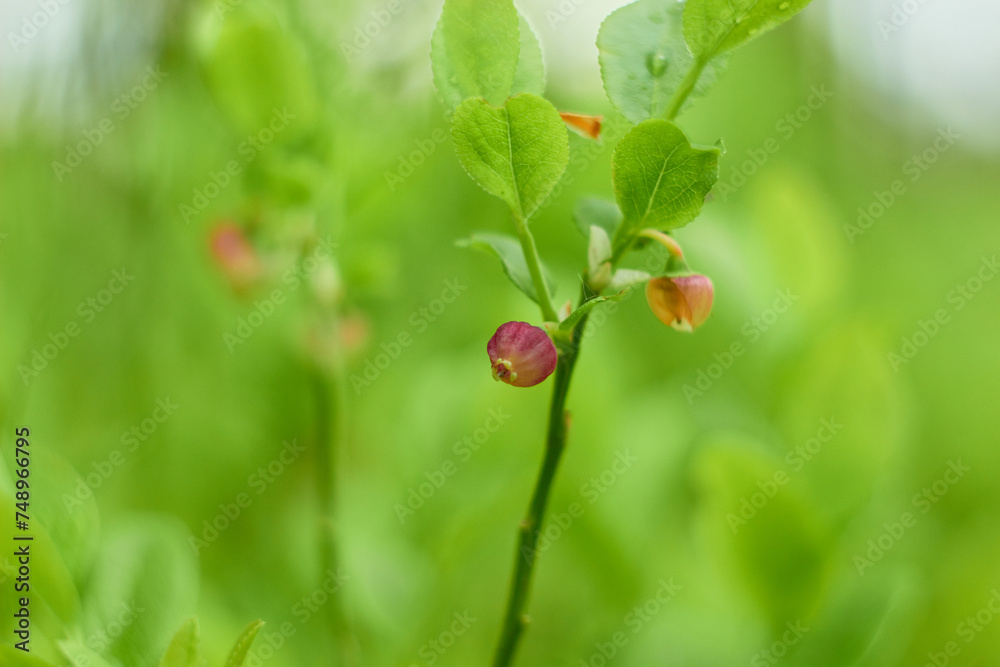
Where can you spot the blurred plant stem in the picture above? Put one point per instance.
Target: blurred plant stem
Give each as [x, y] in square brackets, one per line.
[524, 559]
[331, 408]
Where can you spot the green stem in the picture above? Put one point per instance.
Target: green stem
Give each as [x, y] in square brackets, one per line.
[535, 268]
[620, 247]
[530, 529]
[329, 436]
[686, 88]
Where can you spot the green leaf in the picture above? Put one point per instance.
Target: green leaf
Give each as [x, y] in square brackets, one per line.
[185, 648]
[239, 653]
[51, 581]
[781, 551]
[474, 50]
[907, 608]
[853, 619]
[844, 392]
[600, 212]
[802, 244]
[713, 27]
[287, 177]
[66, 507]
[81, 656]
[256, 71]
[511, 256]
[12, 657]
[660, 180]
[530, 74]
[517, 152]
[644, 58]
[146, 581]
[574, 317]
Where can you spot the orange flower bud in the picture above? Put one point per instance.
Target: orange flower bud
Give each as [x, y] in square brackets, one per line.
[683, 303]
[589, 126]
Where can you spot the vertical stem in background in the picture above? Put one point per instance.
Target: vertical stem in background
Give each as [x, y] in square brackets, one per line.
[524, 559]
[329, 440]
[329, 379]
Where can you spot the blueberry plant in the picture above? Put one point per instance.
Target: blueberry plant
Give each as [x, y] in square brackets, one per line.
[656, 56]
[99, 596]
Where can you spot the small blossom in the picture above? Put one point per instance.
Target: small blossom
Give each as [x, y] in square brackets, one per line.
[522, 355]
[589, 126]
[683, 303]
[235, 255]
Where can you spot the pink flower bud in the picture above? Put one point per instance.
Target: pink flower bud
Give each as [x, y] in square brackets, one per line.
[235, 255]
[683, 303]
[522, 355]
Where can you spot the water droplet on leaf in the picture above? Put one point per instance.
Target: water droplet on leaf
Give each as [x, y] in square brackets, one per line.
[783, 6]
[656, 63]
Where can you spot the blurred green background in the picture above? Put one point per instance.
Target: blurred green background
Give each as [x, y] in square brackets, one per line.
[808, 482]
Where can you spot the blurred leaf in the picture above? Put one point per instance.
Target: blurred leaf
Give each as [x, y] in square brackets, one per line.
[849, 624]
[772, 541]
[12, 657]
[712, 27]
[842, 420]
[146, 582]
[185, 648]
[530, 74]
[803, 247]
[592, 211]
[660, 180]
[517, 152]
[287, 177]
[474, 51]
[255, 70]
[644, 58]
[81, 656]
[239, 653]
[65, 505]
[898, 626]
[45, 624]
[511, 255]
[51, 581]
